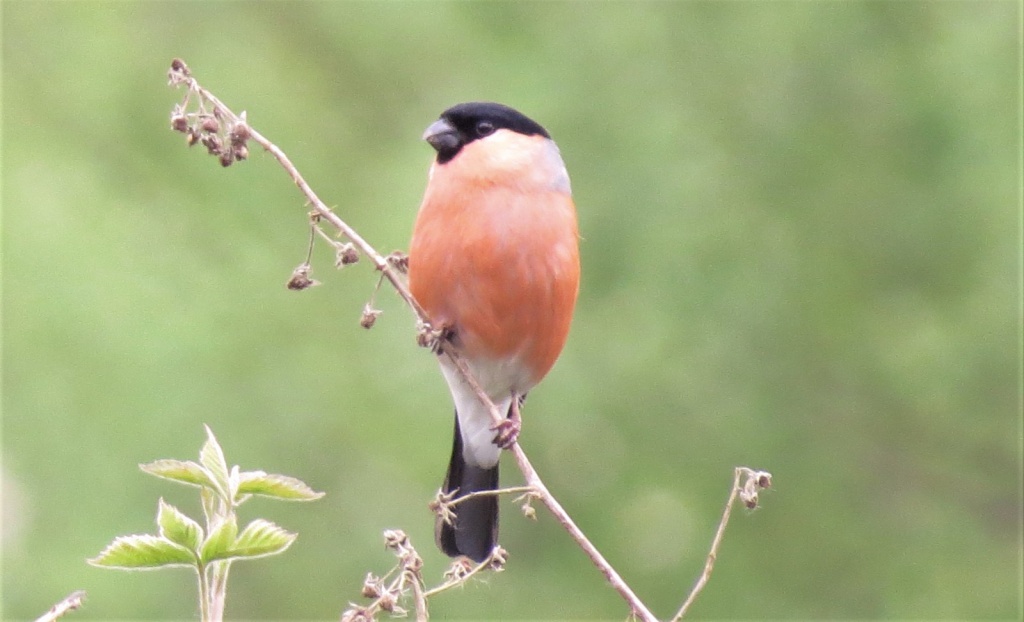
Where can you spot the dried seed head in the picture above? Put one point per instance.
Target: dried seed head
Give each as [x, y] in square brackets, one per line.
[211, 125]
[355, 613]
[412, 562]
[179, 123]
[441, 507]
[764, 479]
[192, 137]
[300, 276]
[429, 337]
[241, 152]
[345, 255]
[399, 260]
[369, 316]
[212, 143]
[387, 602]
[178, 72]
[227, 158]
[179, 66]
[372, 586]
[239, 134]
[749, 498]
[395, 539]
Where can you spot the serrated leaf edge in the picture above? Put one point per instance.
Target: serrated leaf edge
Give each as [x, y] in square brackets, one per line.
[149, 540]
[186, 524]
[266, 529]
[298, 489]
[151, 469]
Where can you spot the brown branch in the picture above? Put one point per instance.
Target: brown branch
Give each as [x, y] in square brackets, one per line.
[420, 601]
[70, 603]
[239, 127]
[638, 608]
[239, 132]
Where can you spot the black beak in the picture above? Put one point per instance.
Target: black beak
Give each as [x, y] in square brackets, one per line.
[442, 136]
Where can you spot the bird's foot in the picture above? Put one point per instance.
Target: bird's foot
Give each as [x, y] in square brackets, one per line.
[508, 430]
[507, 433]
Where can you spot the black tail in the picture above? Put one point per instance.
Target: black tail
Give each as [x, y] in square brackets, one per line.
[474, 531]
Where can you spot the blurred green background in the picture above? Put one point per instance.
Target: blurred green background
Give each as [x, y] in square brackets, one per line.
[801, 253]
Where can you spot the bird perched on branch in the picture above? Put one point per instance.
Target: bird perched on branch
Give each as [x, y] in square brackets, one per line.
[494, 261]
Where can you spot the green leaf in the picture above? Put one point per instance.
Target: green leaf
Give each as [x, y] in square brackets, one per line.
[143, 552]
[219, 543]
[261, 538]
[179, 528]
[277, 486]
[211, 456]
[184, 471]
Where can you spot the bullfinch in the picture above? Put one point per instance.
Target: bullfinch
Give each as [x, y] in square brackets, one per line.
[494, 262]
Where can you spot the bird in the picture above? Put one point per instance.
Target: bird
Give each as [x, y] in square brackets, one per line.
[494, 263]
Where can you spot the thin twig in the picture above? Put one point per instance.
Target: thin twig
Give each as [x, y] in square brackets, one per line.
[317, 230]
[512, 490]
[533, 480]
[637, 606]
[379, 261]
[461, 578]
[755, 480]
[71, 602]
[420, 601]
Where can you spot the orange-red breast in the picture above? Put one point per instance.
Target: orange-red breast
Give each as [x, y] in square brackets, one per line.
[494, 261]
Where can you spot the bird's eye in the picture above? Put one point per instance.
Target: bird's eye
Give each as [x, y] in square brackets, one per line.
[484, 128]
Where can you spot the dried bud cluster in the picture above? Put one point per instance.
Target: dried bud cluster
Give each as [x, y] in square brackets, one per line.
[429, 337]
[756, 481]
[355, 613]
[373, 586]
[387, 593]
[178, 72]
[399, 261]
[211, 125]
[226, 141]
[300, 279]
[229, 148]
[395, 539]
[527, 504]
[441, 506]
[345, 254]
[410, 560]
[369, 316]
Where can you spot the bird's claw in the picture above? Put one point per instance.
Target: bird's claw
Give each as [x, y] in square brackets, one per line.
[507, 433]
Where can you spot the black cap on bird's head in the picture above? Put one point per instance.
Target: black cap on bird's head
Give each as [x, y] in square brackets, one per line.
[464, 123]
